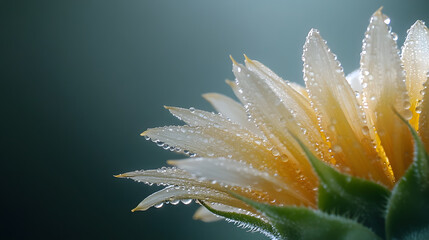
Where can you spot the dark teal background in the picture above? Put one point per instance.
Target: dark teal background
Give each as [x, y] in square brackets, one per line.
[81, 79]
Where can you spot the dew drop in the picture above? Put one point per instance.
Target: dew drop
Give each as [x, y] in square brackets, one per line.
[387, 21]
[418, 109]
[407, 105]
[407, 114]
[159, 143]
[275, 152]
[159, 205]
[186, 201]
[337, 148]
[365, 130]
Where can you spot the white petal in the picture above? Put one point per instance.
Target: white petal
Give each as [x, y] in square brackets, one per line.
[340, 114]
[299, 88]
[213, 142]
[354, 80]
[163, 176]
[232, 110]
[241, 174]
[415, 57]
[205, 215]
[383, 89]
[424, 117]
[199, 118]
[174, 193]
[276, 108]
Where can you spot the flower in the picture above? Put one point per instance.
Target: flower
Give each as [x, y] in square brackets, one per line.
[251, 149]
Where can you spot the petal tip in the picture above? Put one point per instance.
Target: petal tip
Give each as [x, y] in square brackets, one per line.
[247, 59]
[233, 60]
[145, 133]
[379, 11]
[172, 162]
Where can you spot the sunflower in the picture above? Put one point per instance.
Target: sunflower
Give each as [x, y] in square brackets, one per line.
[285, 149]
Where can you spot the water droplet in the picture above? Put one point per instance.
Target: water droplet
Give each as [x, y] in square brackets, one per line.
[407, 104]
[407, 114]
[275, 152]
[186, 201]
[337, 148]
[387, 21]
[365, 130]
[418, 109]
[159, 205]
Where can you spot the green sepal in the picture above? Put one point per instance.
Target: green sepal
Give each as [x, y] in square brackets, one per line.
[407, 215]
[300, 223]
[249, 221]
[349, 196]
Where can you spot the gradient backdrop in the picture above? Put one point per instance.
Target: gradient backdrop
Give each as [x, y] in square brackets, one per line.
[81, 79]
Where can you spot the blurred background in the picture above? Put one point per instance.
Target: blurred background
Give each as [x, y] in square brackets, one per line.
[80, 80]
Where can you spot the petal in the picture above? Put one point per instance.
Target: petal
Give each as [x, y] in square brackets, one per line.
[199, 118]
[354, 80]
[298, 107]
[213, 142]
[162, 177]
[415, 57]
[299, 89]
[277, 109]
[424, 117]
[174, 193]
[383, 89]
[205, 215]
[340, 114]
[181, 185]
[236, 173]
[232, 110]
[274, 110]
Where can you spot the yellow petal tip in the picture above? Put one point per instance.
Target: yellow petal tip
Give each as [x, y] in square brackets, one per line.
[233, 60]
[172, 162]
[247, 59]
[145, 133]
[378, 12]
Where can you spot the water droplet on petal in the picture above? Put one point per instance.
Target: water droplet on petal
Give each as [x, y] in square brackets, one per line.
[186, 201]
[159, 205]
[387, 21]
